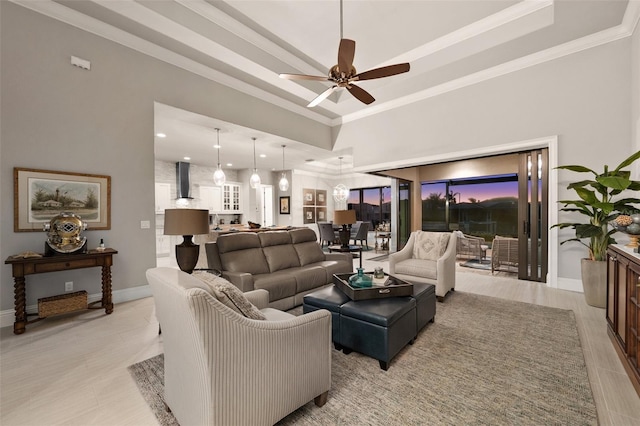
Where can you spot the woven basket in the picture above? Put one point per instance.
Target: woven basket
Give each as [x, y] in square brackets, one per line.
[62, 304]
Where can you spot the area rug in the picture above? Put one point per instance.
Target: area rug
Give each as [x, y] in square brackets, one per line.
[484, 264]
[483, 361]
[382, 258]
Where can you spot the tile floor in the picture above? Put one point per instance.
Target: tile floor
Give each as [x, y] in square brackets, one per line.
[71, 369]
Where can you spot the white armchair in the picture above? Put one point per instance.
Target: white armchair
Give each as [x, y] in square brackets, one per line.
[222, 368]
[437, 267]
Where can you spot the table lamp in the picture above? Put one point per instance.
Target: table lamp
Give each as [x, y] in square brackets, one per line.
[344, 218]
[186, 222]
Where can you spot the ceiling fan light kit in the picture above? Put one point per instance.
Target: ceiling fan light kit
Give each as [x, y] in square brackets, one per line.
[344, 74]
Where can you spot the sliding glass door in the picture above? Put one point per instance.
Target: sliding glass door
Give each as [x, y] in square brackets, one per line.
[533, 204]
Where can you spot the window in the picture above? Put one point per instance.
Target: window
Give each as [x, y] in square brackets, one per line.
[371, 204]
[484, 206]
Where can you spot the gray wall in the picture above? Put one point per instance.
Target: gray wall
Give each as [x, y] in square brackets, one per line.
[583, 98]
[635, 94]
[58, 117]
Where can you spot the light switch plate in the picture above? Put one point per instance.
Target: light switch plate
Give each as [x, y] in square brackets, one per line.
[145, 224]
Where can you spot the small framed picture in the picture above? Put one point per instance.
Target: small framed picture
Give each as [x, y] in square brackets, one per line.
[308, 197]
[321, 214]
[309, 214]
[321, 197]
[285, 203]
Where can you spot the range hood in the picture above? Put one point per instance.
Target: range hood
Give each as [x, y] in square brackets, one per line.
[183, 181]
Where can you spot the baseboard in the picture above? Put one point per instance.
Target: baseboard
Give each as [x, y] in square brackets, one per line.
[569, 284]
[8, 316]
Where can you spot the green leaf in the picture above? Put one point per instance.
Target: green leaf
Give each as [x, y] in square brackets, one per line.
[615, 182]
[628, 161]
[580, 184]
[579, 169]
[588, 196]
[587, 230]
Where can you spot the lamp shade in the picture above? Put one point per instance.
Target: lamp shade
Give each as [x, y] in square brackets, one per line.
[344, 217]
[186, 222]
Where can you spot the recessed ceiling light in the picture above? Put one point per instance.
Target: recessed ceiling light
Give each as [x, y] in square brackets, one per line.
[229, 164]
[216, 146]
[263, 155]
[187, 158]
[161, 135]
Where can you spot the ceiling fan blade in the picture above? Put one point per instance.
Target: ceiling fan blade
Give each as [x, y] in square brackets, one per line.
[360, 94]
[303, 77]
[322, 96]
[346, 52]
[387, 71]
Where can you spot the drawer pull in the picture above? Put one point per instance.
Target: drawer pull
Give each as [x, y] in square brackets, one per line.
[384, 291]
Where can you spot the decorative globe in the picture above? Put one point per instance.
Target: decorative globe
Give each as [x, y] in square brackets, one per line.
[633, 229]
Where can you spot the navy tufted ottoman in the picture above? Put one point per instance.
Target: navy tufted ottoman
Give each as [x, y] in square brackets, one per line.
[378, 328]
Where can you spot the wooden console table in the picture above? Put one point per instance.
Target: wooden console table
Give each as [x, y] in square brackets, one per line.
[623, 308]
[37, 265]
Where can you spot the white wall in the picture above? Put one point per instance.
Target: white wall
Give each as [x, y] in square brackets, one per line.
[583, 98]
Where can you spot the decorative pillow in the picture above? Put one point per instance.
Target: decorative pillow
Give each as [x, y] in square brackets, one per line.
[230, 295]
[430, 245]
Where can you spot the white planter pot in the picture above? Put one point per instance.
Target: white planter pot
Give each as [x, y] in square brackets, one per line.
[594, 282]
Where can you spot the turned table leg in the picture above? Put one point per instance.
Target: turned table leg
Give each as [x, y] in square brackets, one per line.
[106, 289]
[19, 326]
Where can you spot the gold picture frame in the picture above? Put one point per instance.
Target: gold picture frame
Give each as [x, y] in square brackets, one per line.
[40, 195]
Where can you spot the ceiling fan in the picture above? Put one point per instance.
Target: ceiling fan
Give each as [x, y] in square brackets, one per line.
[344, 74]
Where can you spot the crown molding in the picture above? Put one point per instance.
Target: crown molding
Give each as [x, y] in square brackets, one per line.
[575, 46]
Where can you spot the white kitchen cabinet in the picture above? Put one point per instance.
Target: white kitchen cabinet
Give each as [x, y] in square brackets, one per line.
[163, 197]
[211, 198]
[231, 198]
[163, 243]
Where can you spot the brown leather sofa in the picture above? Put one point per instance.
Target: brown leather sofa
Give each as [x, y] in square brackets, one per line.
[288, 264]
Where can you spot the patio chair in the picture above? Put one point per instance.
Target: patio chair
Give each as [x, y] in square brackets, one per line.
[471, 247]
[504, 254]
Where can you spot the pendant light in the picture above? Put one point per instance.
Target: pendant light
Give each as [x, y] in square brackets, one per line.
[284, 183]
[340, 191]
[254, 180]
[218, 176]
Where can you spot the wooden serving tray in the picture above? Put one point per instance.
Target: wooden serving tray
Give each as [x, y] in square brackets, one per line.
[396, 288]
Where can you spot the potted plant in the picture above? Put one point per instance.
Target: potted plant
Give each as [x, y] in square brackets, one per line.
[597, 201]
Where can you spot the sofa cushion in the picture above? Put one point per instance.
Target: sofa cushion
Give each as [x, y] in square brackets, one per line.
[242, 253]
[309, 252]
[274, 238]
[279, 284]
[418, 268]
[335, 267]
[430, 245]
[302, 235]
[308, 277]
[229, 295]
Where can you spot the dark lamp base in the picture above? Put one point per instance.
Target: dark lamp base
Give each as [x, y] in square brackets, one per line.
[345, 236]
[187, 254]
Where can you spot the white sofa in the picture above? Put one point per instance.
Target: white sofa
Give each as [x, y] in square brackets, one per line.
[439, 269]
[222, 368]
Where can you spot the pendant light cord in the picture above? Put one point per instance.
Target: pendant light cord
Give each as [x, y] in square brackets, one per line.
[254, 153]
[218, 132]
[341, 35]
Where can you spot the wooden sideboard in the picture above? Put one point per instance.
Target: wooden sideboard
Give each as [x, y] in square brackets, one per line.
[22, 267]
[623, 308]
